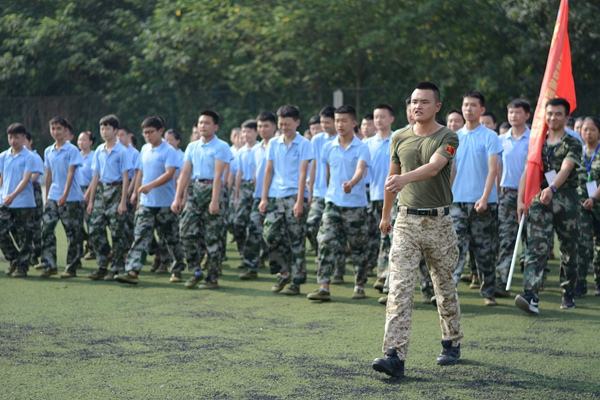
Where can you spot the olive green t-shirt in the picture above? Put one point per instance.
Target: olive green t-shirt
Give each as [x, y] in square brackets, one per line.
[410, 152]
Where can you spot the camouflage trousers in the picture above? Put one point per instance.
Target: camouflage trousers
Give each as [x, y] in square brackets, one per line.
[201, 232]
[165, 222]
[477, 232]
[285, 236]
[340, 227]
[225, 207]
[105, 216]
[508, 226]
[255, 247]
[71, 216]
[37, 221]
[417, 237]
[562, 214]
[19, 222]
[373, 240]
[241, 214]
[85, 229]
[589, 244]
[313, 221]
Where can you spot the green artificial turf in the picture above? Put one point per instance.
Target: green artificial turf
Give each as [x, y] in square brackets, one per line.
[78, 339]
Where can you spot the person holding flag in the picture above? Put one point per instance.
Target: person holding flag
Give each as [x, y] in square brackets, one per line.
[551, 161]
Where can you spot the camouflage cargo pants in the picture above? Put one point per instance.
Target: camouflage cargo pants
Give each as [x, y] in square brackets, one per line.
[105, 216]
[37, 221]
[477, 232]
[165, 222]
[21, 223]
[202, 232]
[508, 226]
[373, 240]
[255, 245]
[71, 216]
[340, 227]
[313, 221]
[589, 244]
[241, 214]
[285, 235]
[562, 214]
[417, 237]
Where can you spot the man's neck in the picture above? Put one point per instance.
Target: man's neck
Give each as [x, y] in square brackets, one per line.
[155, 145]
[14, 150]
[555, 135]
[517, 131]
[472, 125]
[426, 128]
[330, 134]
[207, 139]
[250, 144]
[59, 144]
[345, 140]
[384, 133]
[289, 138]
[109, 144]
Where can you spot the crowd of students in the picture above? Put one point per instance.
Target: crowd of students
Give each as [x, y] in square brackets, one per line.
[273, 195]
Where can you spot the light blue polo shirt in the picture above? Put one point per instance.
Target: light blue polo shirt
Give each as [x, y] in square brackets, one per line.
[286, 164]
[379, 150]
[319, 141]
[58, 162]
[342, 166]
[84, 172]
[38, 162]
[246, 162]
[260, 161]
[13, 167]
[154, 162]
[514, 158]
[474, 148]
[202, 156]
[109, 166]
[576, 135]
[134, 161]
[179, 153]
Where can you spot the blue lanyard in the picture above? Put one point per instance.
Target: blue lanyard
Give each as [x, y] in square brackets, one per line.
[588, 164]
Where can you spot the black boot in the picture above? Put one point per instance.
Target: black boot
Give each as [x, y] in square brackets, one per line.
[389, 364]
[450, 354]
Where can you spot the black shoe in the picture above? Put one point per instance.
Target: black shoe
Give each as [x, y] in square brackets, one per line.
[528, 302]
[567, 302]
[450, 354]
[389, 364]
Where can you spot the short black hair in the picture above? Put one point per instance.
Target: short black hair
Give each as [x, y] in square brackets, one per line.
[407, 101]
[289, 111]
[504, 125]
[133, 139]
[315, 119]
[520, 103]
[595, 121]
[475, 95]
[58, 120]
[559, 101]
[455, 111]
[385, 106]
[249, 124]
[90, 136]
[426, 85]
[110, 120]
[491, 115]
[346, 109]
[16, 128]
[153, 121]
[213, 114]
[327, 112]
[28, 136]
[173, 132]
[368, 116]
[267, 116]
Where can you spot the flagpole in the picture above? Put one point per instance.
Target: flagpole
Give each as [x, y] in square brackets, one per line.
[515, 252]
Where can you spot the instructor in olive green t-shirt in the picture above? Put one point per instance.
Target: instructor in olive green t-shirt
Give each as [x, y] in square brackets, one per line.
[419, 176]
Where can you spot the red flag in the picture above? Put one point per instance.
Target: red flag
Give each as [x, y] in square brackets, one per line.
[558, 82]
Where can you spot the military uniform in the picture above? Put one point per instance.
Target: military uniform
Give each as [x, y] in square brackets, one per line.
[423, 229]
[202, 232]
[109, 166]
[241, 213]
[476, 231]
[17, 219]
[57, 163]
[562, 215]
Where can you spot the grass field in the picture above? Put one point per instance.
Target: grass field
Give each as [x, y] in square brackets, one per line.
[78, 339]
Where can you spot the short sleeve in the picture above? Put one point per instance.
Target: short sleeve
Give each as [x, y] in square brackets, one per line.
[187, 154]
[395, 159]
[75, 157]
[574, 152]
[171, 159]
[448, 146]
[365, 154]
[46, 159]
[38, 163]
[125, 162]
[271, 150]
[224, 154]
[95, 161]
[493, 145]
[307, 151]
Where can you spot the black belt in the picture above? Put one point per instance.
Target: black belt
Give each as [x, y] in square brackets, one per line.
[116, 183]
[428, 212]
[203, 180]
[506, 190]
